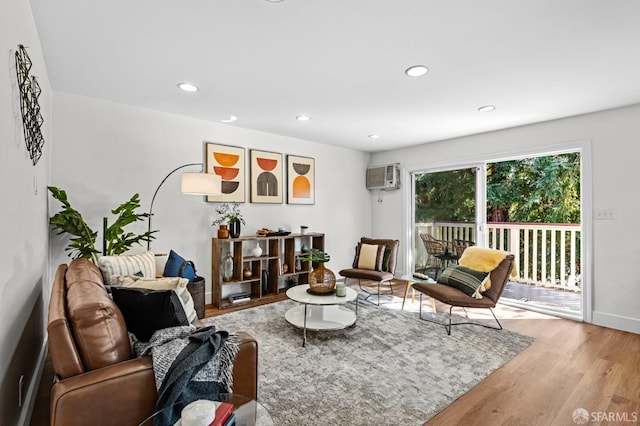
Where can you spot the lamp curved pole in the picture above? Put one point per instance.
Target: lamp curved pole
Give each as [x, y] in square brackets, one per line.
[158, 188]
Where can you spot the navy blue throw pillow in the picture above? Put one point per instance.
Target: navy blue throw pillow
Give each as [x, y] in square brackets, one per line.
[173, 265]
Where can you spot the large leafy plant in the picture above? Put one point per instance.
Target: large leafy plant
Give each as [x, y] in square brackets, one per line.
[115, 239]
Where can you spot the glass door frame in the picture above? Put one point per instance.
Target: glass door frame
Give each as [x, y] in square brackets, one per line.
[409, 196]
[586, 206]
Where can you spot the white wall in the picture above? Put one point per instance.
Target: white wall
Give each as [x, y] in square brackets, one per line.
[613, 137]
[106, 152]
[23, 224]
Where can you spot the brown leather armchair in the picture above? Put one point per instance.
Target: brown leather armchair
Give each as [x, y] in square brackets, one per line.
[454, 297]
[97, 379]
[382, 276]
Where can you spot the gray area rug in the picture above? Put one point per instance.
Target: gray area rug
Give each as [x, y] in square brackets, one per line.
[391, 368]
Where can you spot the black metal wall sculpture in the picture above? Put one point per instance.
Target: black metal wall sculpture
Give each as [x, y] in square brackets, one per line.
[31, 117]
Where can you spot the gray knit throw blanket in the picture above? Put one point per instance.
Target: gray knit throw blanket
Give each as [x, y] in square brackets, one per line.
[189, 364]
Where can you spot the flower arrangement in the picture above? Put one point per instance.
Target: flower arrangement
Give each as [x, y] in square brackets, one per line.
[228, 214]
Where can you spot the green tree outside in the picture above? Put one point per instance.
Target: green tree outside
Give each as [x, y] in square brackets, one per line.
[534, 190]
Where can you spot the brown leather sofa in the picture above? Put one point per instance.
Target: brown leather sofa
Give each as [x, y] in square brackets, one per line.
[97, 379]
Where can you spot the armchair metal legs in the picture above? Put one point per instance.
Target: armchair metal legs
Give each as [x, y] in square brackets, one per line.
[450, 324]
[369, 293]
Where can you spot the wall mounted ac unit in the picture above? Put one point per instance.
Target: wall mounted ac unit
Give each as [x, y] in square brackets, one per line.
[386, 177]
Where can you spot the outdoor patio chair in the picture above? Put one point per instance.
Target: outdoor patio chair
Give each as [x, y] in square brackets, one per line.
[459, 246]
[379, 270]
[437, 253]
[457, 298]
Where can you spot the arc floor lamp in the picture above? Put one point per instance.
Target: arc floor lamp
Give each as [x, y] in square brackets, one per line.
[190, 183]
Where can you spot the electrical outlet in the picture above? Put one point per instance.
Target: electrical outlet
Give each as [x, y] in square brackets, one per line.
[605, 214]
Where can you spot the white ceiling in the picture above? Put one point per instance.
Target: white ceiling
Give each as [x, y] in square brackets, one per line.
[342, 62]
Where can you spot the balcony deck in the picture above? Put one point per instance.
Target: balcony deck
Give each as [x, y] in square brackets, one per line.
[543, 296]
[547, 259]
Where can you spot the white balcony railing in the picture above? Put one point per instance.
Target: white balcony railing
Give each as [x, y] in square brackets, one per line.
[545, 254]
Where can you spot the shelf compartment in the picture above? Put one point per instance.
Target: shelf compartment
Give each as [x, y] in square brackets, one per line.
[277, 251]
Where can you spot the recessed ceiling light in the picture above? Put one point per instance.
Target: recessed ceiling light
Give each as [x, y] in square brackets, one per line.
[229, 119]
[275, 1]
[188, 87]
[374, 136]
[303, 118]
[416, 71]
[487, 108]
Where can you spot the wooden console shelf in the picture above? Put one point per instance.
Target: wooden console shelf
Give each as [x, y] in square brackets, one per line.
[277, 251]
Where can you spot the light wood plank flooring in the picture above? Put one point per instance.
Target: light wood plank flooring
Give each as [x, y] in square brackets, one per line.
[570, 365]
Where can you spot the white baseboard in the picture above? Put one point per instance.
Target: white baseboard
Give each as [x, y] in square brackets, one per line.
[32, 391]
[632, 325]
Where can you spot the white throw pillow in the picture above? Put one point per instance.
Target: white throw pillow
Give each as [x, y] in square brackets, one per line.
[112, 266]
[368, 258]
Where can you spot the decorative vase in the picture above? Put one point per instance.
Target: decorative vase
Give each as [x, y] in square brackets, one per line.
[234, 228]
[257, 250]
[322, 280]
[247, 273]
[223, 232]
[227, 267]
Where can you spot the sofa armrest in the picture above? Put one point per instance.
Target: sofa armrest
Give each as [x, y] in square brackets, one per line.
[120, 394]
[245, 367]
[125, 393]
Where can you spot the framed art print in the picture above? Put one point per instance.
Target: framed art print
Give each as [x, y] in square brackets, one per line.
[301, 184]
[266, 177]
[229, 163]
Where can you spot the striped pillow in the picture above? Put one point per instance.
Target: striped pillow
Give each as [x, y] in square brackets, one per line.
[187, 304]
[113, 266]
[464, 279]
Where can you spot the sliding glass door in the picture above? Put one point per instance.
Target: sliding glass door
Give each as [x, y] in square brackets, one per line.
[446, 215]
[529, 206]
[535, 213]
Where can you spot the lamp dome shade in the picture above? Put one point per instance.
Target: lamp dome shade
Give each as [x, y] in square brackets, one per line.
[201, 184]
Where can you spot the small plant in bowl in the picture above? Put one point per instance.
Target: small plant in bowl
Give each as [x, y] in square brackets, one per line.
[321, 279]
[316, 256]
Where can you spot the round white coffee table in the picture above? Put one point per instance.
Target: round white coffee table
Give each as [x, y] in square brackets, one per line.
[320, 312]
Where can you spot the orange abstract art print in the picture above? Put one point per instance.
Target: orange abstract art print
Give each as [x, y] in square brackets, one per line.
[229, 163]
[300, 180]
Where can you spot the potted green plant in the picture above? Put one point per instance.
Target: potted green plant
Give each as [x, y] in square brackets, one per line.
[115, 239]
[321, 279]
[315, 256]
[232, 216]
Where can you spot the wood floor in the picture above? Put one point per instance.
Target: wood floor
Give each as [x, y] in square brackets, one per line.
[571, 365]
